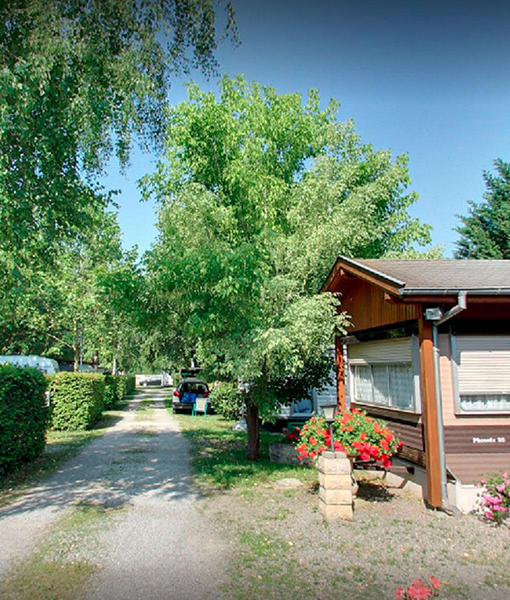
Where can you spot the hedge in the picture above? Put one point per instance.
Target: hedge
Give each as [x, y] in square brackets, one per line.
[23, 416]
[77, 400]
[117, 386]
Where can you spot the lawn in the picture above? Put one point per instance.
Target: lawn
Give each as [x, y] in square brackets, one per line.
[219, 455]
[283, 548]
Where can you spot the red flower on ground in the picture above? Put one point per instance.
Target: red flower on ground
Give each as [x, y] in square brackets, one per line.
[435, 583]
[419, 591]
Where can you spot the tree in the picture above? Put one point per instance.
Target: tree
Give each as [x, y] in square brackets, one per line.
[78, 80]
[485, 230]
[259, 193]
[80, 308]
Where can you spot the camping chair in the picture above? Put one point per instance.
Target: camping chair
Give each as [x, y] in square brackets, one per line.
[200, 406]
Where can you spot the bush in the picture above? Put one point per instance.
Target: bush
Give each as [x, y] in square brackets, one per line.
[23, 416]
[494, 502]
[116, 387]
[227, 401]
[77, 400]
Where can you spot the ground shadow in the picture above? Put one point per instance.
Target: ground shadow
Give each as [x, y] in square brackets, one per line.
[374, 491]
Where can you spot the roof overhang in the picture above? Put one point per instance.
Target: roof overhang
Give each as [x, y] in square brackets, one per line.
[398, 290]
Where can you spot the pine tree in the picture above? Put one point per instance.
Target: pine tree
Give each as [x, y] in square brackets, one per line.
[485, 230]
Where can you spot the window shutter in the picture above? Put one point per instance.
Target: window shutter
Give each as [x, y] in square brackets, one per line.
[483, 364]
[381, 351]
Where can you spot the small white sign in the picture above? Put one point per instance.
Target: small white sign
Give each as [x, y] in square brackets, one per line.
[489, 440]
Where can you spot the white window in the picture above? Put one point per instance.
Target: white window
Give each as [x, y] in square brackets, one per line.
[389, 385]
[482, 364]
[383, 373]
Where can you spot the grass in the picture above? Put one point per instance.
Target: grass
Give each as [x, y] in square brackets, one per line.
[144, 410]
[60, 447]
[219, 455]
[62, 565]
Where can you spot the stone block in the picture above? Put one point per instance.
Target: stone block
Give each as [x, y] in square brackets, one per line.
[340, 465]
[335, 482]
[335, 496]
[335, 511]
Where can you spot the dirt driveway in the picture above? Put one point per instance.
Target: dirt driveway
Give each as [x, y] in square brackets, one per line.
[160, 544]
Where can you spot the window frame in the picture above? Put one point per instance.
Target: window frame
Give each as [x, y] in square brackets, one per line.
[414, 363]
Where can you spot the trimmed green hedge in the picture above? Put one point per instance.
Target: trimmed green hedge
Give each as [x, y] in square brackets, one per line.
[23, 416]
[77, 400]
[117, 386]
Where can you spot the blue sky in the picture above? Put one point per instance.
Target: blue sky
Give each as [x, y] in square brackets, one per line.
[430, 79]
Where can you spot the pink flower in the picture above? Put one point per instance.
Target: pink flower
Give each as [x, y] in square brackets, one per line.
[399, 594]
[435, 583]
[489, 514]
[501, 488]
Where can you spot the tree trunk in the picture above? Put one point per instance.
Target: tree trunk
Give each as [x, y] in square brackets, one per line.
[252, 423]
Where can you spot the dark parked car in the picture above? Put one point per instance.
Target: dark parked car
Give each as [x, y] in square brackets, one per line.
[188, 390]
[151, 380]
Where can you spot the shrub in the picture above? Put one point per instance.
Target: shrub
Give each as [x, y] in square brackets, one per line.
[116, 387]
[354, 433]
[23, 416]
[77, 400]
[494, 502]
[110, 391]
[227, 401]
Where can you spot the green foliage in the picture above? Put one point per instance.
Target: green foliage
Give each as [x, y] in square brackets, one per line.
[259, 194]
[23, 416]
[77, 400]
[485, 230]
[117, 387]
[227, 401]
[78, 81]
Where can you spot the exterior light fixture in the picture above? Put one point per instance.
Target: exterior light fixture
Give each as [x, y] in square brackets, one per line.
[328, 410]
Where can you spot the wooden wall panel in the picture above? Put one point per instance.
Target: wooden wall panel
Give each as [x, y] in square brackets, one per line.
[368, 308]
[471, 468]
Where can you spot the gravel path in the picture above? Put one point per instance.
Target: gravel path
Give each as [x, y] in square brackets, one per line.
[164, 545]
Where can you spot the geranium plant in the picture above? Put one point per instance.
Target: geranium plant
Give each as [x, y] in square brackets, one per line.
[419, 590]
[354, 432]
[494, 503]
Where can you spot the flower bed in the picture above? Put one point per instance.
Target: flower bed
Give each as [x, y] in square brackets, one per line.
[354, 433]
[494, 501]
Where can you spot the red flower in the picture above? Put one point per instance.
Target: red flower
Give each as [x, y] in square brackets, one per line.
[385, 445]
[363, 436]
[314, 419]
[400, 594]
[419, 591]
[435, 583]
[312, 441]
[350, 428]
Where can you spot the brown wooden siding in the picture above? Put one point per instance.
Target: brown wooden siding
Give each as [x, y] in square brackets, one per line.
[368, 308]
[470, 468]
[480, 439]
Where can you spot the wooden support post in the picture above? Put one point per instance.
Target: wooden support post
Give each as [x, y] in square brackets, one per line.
[340, 373]
[430, 416]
